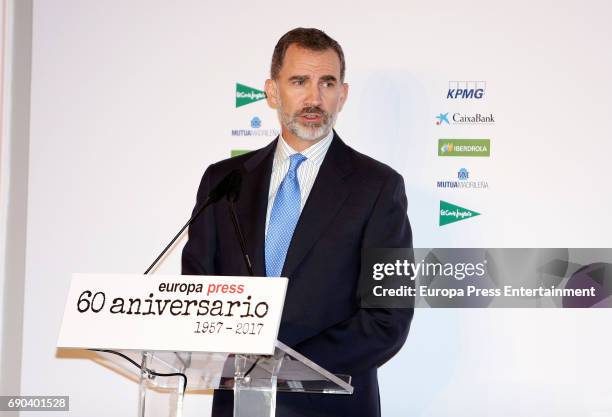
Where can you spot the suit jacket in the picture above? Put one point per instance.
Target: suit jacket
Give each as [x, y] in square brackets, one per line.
[355, 202]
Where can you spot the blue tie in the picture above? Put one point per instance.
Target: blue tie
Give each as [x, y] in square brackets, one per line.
[283, 218]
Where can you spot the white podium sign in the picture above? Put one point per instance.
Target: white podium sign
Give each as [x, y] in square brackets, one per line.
[173, 312]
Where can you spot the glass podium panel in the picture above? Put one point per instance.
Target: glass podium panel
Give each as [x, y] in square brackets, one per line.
[255, 379]
[294, 372]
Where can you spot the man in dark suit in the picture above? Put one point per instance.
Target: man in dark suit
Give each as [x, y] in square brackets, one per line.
[308, 206]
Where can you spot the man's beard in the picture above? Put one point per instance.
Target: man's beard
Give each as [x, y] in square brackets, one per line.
[309, 131]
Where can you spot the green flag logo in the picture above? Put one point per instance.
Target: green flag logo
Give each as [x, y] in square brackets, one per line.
[247, 95]
[450, 213]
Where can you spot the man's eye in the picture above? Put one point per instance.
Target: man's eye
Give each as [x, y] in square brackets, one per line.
[298, 82]
[327, 84]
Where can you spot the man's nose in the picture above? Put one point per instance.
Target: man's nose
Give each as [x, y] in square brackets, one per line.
[313, 97]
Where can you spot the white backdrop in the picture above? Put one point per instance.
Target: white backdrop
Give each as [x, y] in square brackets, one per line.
[131, 100]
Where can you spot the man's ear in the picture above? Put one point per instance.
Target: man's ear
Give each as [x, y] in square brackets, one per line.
[344, 96]
[271, 94]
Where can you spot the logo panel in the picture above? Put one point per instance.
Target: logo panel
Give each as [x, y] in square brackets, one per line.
[463, 181]
[466, 90]
[465, 119]
[451, 213]
[247, 95]
[464, 147]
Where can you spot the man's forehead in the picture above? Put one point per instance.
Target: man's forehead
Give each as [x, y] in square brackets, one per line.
[306, 62]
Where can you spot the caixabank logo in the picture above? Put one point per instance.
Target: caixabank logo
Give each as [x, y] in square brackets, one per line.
[451, 213]
[465, 119]
[466, 90]
[247, 95]
[464, 147]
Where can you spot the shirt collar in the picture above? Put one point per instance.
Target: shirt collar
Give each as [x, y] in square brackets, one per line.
[314, 154]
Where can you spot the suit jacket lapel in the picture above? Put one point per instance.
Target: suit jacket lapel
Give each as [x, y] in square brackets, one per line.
[326, 197]
[253, 204]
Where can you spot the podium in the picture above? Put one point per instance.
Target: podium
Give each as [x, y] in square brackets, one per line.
[255, 379]
[163, 332]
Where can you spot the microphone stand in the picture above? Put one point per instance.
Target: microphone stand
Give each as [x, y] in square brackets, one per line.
[229, 187]
[207, 203]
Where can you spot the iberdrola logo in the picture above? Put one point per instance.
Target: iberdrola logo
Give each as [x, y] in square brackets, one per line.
[247, 95]
[450, 213]
[447, 147]
[464, 147]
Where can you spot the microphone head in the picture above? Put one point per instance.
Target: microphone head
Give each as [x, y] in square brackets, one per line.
[234, 186]
[228, 187]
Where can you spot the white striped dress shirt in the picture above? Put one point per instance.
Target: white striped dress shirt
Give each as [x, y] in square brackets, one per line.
[307, 171]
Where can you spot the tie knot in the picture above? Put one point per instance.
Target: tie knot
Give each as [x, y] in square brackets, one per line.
[296, 159]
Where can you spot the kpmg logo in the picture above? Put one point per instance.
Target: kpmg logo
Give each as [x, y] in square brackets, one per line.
[451, 213]
[474, 90]
[247, 95]
[464, 147]
[465, 119]
[462, 182]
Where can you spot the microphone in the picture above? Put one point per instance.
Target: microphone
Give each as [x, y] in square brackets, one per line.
[235, 184]
[233, 193]
[228, 187]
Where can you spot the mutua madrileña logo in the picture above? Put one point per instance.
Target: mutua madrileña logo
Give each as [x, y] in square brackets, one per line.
[247, 95]
[465, 119]
[466, 90]
[255, 129]
[463, 181]
[451, 213]
[464, 147]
